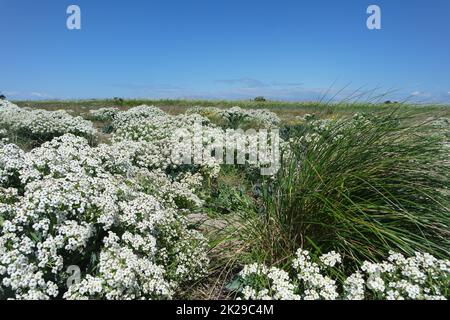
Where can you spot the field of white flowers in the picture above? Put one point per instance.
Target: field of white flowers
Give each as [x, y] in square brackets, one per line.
[103, 193]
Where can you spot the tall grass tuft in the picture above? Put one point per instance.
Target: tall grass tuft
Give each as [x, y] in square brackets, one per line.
[361, 186]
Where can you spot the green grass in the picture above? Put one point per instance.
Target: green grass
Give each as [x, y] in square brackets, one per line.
[384, 185]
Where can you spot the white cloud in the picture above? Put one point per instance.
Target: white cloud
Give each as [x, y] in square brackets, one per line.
[10, 93]
[245, 82]
[41, 95]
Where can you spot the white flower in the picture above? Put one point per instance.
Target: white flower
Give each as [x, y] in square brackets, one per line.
[331, 259]
[375, 283]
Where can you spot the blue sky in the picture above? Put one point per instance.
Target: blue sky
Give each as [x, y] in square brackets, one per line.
[288, 50]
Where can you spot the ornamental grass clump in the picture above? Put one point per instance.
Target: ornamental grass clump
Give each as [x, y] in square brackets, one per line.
[238, 118]
[361, 186]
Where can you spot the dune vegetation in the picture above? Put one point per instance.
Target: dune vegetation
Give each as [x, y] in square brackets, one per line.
[357, 208]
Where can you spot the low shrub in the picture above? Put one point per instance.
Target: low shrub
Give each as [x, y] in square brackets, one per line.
[103, 114]
[33, 127]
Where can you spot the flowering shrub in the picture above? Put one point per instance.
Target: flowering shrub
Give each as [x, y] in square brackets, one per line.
[66, 203]
[104, 114]
[42, 125]
[418, 277]
[260, 117]
[136, 115]
[3, 136]
[152, 135]
[155, 125]
[117, 211]
[237, 117]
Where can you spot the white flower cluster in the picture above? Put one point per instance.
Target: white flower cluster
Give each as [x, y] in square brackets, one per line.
[103, 209]
[3, 136]
[331, 259]
[420, 277]
[261, 117]
[236, 116]
[42, 124]
[103, 114]
[315, 285]
[267, 283]
[166, 141]
[316, 130]
[148, 123]
[320, 132]
[149, 133]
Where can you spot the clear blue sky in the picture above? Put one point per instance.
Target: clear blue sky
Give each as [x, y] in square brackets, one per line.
[292, 50]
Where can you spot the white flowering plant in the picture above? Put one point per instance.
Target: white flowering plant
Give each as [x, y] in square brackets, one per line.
[237, 117]
[41, 125]
[170, 137]
[151, 133]
[4, 136]
[103, 114]
[420, 277]
[66, 203]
